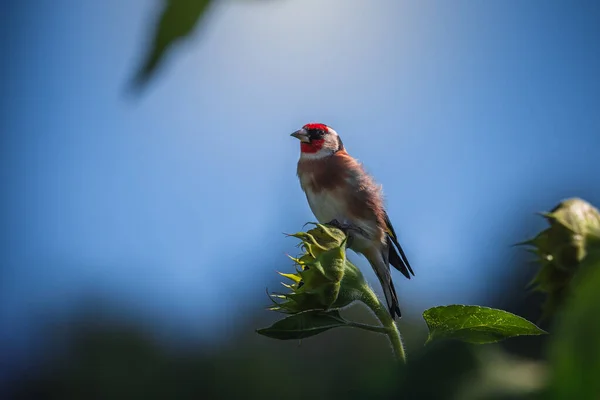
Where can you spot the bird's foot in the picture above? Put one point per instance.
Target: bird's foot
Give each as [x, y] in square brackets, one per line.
[348, 229]
[335, 223]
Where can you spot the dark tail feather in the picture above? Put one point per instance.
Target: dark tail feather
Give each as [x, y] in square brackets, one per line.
[382, 270]
[393, 306]
[398, 261]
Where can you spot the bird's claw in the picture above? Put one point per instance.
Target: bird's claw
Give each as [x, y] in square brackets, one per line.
[335, 223]
[347, 229]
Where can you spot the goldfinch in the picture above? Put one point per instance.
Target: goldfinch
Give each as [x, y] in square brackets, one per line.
[341, 193]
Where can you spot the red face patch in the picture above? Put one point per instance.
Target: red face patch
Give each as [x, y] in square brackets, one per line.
[313, 146]
[315, 126]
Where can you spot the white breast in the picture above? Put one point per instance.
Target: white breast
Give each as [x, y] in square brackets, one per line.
[326, 206]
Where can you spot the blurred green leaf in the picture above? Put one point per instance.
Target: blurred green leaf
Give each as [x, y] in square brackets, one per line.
[178, 20]
[303, 325]
[575, 351]
[475, 324]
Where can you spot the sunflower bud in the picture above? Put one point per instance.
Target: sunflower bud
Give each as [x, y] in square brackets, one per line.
[324, 278]
[574, 227]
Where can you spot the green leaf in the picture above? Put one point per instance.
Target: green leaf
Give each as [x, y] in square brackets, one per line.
[303, 325]
[178, 20]
[575, 350]
[476, 324]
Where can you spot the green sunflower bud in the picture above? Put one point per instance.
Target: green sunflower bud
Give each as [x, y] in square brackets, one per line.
[324, 278]
[324, 282]
[574, 227]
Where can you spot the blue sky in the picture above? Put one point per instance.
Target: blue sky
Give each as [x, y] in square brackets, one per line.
[473, 116]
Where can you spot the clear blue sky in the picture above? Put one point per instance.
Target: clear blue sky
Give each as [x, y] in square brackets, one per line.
[473, 116]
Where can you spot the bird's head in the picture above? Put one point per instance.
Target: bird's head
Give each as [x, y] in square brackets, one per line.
[317, 141]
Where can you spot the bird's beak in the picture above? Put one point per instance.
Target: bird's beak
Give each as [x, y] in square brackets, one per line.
[301, 135]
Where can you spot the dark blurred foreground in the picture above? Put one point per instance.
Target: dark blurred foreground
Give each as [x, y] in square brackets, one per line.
[99, 358]
[100, 353]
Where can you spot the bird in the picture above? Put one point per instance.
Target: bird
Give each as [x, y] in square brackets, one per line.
[341, 193]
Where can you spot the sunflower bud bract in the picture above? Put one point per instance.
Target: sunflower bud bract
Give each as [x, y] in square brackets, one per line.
[324, 278]
[574, 227]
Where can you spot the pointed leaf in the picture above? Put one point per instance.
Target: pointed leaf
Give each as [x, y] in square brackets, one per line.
[303, 325]
[178, 20]
[292, 277]
[476, 324]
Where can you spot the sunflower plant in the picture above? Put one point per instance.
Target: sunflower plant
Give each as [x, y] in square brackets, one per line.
[324, 282]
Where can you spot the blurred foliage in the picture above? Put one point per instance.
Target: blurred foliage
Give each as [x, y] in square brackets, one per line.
[560, 249]
[178, 20]
[122, 361]
[476, 324]
[575, 351]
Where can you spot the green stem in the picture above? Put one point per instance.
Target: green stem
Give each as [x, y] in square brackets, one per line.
[378, 329]
[381, 312]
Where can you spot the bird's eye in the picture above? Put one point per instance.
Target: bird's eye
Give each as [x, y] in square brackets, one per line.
[316, 134]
